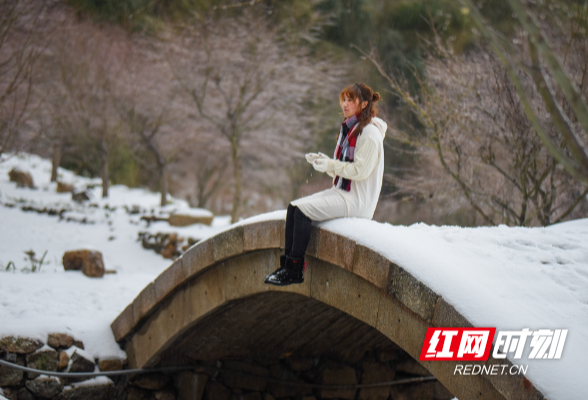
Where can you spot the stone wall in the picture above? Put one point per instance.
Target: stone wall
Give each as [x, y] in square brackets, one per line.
[247, 379]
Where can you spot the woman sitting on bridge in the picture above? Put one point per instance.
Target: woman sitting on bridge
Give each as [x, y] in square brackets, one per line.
[357, 170]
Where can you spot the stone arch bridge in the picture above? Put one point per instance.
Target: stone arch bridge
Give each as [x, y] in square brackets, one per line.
[211, 304]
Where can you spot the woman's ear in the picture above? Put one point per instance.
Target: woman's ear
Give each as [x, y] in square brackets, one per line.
[364, 105]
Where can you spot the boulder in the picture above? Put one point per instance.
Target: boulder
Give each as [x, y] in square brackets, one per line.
[110, 365]
[185, 219]
[10, 376]
[60, 341]
[46, 360]
[64, 187]
[22, 178]
[45, 388]
[79, 344]
[90, 262]
[79, 363]
[19, 345]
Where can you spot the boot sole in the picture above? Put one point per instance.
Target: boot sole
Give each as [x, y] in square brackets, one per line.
[284, 283]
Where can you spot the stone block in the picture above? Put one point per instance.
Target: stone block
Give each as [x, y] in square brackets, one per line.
[216, 391]
[336, 249]
[198, 258]
[169, 280]
[10, 376]
[124, 323]
[63, 361]
[412, 293]
[401, 326]
[19, 345]
[190, 385]
[242, 375]
[144, 303]
[371, 266]
[263, 235]
[375, 373]
[25, 394]
[338, 374]
[80, 363]
[281, 390]
[447, 316]
[345, 291]
[179, 219]
[45, 387]
[60, 341]
[63, 187]
[166, 395]
[114, 364]
[96, 392]
[46, 360]
[151, 381]
[228, 244]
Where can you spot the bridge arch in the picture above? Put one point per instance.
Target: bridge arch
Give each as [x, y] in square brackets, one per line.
[351, 294]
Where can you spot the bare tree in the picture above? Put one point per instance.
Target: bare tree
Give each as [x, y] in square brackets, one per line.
[550, 76]
[90, 68]
[249, 88]
[474, 127]
[20, 46]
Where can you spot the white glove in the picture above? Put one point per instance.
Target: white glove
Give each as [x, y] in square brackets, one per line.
[310, 157]
[321, 164]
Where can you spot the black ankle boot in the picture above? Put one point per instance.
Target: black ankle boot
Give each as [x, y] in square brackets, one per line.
[291, 271]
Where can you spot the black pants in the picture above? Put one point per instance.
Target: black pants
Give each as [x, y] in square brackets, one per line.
[298, 227]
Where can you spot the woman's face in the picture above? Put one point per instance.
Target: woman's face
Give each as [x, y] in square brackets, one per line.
[351, 107]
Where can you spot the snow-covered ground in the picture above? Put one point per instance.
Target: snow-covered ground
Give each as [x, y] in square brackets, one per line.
[54, 300]
[508, 278]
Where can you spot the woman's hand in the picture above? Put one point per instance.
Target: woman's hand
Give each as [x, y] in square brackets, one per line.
[321, 164]
[311, 157]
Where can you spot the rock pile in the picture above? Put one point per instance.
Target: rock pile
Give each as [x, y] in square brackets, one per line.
[60, 353]
[169, 245]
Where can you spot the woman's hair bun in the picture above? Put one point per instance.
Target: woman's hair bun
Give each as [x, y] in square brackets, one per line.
[376, 97]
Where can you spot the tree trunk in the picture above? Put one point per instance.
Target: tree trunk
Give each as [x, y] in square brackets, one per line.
[163, 184]
[104, 170]
[56, 160]
[238, 182]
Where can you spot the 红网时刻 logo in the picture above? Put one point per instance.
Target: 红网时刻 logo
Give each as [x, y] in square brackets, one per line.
[475, 344]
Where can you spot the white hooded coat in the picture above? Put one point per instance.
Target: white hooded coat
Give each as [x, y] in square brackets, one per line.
[366, 173]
